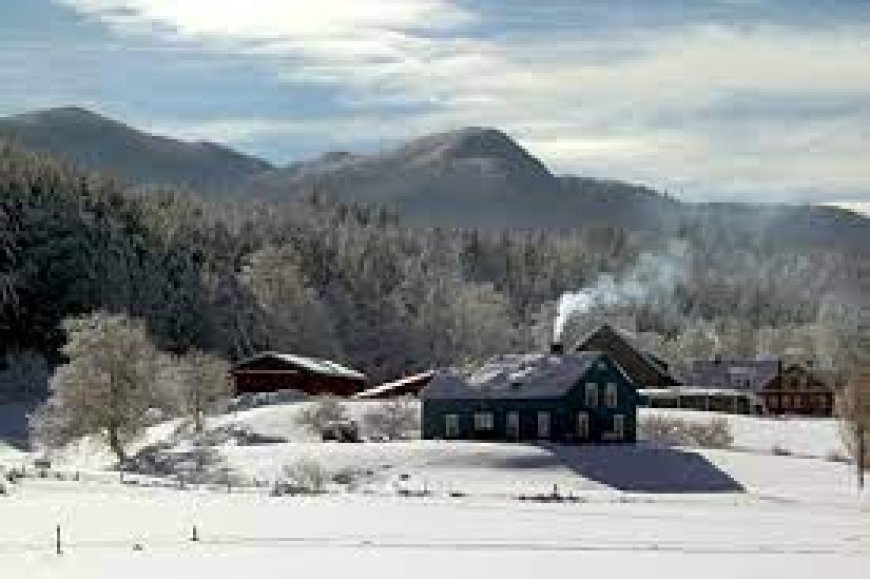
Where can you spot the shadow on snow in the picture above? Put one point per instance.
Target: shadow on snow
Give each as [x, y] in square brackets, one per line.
[639, 468]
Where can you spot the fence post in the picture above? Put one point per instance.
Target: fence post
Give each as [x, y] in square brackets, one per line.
[194, 537]
[57, 541]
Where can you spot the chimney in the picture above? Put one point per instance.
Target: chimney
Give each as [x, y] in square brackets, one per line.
[557, 348]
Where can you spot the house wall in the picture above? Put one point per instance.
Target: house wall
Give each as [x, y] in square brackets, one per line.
[797, 391]
[563, 412]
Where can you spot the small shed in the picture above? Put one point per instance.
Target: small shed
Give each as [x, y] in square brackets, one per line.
[572, 397]
[274, 371]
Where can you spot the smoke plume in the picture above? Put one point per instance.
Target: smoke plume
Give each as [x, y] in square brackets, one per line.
[653, 279]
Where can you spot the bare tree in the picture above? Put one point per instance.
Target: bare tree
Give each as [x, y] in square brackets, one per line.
[105, 388]
[198, 383]
[854, 406]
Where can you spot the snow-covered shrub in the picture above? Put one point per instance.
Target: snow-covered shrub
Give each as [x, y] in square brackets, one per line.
[394, 419]
[304, 476]
[323, 412]
[713, 433]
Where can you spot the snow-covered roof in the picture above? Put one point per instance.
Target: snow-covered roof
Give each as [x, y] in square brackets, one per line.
[691, 391]
[752, 375]
[316, 365]
[652, 360]
[395, 385]
[514, 376]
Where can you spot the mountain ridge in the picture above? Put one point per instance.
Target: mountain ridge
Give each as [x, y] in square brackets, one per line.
[473, 177]
[98, 143]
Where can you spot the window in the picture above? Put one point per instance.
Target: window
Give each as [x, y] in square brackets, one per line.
[512, 425]
[618, 426]
[591, 394]
[610, 395]
[543, 425]
[484, 421]
[451, 426]
[583, 425]
[774, 403]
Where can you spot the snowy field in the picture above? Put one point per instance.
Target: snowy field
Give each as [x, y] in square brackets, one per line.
[630, 510]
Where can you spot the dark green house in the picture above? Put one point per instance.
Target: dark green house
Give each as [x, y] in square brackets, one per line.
[571, 397]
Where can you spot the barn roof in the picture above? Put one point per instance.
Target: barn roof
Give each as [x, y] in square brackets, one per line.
[517, 376]
[607, 333]
[315, 365]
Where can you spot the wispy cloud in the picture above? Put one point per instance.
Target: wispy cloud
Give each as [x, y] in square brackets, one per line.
[712, 104]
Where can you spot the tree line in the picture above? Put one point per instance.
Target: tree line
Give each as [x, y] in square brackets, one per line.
[356, 284]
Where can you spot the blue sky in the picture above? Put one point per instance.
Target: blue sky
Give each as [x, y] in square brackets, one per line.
[719, 99]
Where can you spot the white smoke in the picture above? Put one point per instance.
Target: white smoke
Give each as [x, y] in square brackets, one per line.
[653, 279]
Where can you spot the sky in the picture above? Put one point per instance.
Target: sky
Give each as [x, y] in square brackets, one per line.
[762, 100]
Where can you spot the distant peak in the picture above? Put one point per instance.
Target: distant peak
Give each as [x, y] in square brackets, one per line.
[65, 114]
[470, 142]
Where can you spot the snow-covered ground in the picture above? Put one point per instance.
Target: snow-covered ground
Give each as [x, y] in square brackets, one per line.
[793, 435]
[635, 510]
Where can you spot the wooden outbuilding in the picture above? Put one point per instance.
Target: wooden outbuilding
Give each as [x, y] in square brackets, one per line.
[780, 389]
[273, 371]
[572, 397]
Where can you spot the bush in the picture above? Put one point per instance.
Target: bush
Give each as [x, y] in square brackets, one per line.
[394, 419]
[302, 477]
[778, 450]
[714, 433]
[321, 413]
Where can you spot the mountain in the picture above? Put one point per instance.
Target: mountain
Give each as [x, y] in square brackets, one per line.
[472, 177]
[94, 142]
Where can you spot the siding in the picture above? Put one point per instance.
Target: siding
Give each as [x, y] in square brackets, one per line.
[563, 411]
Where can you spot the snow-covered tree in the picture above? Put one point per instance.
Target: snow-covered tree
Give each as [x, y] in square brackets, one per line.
[392, 419]
[107, 385]
[196, 384]
[318, 414]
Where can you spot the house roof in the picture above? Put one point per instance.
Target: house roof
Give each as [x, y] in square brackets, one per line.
[652, 361]
[315, 365]
[691, 391]
[421, 378]
[516, 376]
[749, 375]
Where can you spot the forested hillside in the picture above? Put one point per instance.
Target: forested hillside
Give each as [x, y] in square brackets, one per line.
[98, 143]
[353, 283]
[473, 177]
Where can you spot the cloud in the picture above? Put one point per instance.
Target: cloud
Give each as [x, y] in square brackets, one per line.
[704, 106]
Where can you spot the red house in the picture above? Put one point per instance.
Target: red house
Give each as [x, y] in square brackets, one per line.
[271, 371]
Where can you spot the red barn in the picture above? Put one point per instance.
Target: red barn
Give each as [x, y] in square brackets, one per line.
[271, 371]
